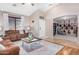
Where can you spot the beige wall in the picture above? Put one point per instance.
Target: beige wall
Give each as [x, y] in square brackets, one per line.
[35, 25]
[61, 10]
[27, 20]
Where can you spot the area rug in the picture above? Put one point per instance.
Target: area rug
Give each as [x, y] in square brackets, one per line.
[47, 49]
[33, 47]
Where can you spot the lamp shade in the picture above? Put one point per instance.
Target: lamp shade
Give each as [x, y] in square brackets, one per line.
[28, 28]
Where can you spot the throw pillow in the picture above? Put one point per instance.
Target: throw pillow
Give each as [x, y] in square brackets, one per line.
[2, 47]
[1, 39]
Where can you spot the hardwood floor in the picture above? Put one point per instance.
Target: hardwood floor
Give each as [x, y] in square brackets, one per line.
[70, 48]
[68, 51]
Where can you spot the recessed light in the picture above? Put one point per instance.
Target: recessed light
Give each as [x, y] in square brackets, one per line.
[23, 3]
[32, 4]
[14, 5]
[50, 4]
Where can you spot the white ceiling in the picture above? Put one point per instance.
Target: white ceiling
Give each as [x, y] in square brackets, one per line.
[26, 9]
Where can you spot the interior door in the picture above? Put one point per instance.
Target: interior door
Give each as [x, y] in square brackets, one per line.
[41, 28]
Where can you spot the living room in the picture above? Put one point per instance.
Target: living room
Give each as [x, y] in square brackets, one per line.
[39, 29]
[20, 28]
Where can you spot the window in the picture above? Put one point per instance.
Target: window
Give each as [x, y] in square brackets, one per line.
[14, 23]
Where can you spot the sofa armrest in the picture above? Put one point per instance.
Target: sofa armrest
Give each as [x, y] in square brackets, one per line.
[11, 50]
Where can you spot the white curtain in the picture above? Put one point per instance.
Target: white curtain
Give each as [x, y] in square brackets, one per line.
[6, 21]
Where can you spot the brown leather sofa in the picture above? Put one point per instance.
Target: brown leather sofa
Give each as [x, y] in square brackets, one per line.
[24, 35]
[11, 49]
[14, 35]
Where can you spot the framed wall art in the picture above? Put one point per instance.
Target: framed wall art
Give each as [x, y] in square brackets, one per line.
[66, 25]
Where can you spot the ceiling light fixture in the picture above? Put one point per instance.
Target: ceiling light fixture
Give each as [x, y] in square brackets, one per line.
[50, 4]
[14, 5]
[23, 3]
[32, 4]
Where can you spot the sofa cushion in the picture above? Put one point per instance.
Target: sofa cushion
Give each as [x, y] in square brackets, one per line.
[2, 47]
[8, 48]
[6, 42]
